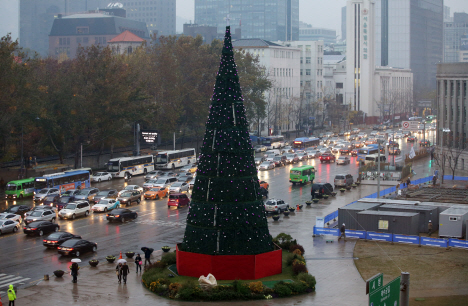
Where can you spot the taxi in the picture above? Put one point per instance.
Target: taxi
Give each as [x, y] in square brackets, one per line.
[156, 193]
[264, 185]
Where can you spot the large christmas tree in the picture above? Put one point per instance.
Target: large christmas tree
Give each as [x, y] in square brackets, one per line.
[227, 215]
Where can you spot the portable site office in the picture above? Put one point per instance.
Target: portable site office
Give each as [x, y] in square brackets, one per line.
[452, 222]
[393, 222]
[426, 214]
[348, 214]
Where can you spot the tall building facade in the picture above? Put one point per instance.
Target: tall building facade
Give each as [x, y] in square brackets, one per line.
[282, 66]
[360, 56]
[159, 16]
[343, 23]
[454, 40]
[268, 19]
[36, 19]
[452, 104]
[308, 33]
[409, 35]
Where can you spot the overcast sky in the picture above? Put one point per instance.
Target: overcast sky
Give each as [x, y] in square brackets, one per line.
[319, 13]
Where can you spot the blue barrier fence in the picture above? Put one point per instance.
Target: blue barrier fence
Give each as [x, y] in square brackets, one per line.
[330, 217]
[405, 239]
[438, 242]
[457, 243]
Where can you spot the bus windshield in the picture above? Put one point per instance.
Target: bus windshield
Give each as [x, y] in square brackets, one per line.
[11, 187]
[161, 159]
[40, 184]
[113, 166]
[297, 172]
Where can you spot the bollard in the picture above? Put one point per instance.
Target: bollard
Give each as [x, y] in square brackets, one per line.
[46, 277]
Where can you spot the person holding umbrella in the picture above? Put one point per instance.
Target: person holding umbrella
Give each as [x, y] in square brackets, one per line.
[118, 271]
[122, 270]
[74, 269]
[147, 252]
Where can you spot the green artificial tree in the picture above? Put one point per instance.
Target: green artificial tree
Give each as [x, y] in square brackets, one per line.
[227, 215]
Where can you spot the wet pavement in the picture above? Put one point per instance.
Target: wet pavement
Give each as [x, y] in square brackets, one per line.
[338, 281]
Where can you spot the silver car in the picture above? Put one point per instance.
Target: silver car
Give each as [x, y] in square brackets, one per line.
[8, 226]
[44, 215]
[149, 184]
[267, 165]
[40, 208]
[178, 187]
[276, 206]
[153, 174]
[10, 216]
[41, 194]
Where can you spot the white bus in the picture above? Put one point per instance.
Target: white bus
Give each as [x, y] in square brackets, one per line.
[129, 166]
[175, 159]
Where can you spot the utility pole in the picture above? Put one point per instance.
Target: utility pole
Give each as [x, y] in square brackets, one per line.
[378, 170]
[404, 288]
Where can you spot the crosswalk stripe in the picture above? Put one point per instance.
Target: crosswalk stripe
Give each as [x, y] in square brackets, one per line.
[2, 275]
[7, 278]
[15, 282]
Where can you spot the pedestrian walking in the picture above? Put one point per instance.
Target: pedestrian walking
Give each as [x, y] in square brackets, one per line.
[429, 228]
[11, 296]
[148, 252]
[74, 272]
[138, 262]
[118, 271]
[342, 231]
[125, 271]
[434, 180]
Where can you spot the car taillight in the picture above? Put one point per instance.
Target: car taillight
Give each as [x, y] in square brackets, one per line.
[107, 215]
[44, 240]
[33, 228]
[276, 206]
[117, 216]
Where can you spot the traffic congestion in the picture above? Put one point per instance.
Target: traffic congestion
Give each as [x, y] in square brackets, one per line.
[99, 214]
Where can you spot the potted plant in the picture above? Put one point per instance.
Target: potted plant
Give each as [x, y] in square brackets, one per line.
[315, 201]
[110, 258]
[348, 187]
[165, 248]
[308, 203]
[292, 209]
[59, 273]
[286, 213]
[333, 193]
[358, 183]
[300, 206]
[276, 217]
[129, 254]
[354, 185]
[342, 190]
[325, 196]
[93, 262]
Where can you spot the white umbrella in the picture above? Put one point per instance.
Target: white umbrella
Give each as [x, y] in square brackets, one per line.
[76, 260]
[121, 261]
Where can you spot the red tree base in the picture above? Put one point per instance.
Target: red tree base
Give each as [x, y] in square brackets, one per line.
[227, 267]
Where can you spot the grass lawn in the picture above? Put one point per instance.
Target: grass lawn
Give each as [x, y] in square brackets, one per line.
[437, 276]
[287, 274]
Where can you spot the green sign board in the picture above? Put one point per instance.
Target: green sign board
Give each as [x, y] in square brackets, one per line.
[388, 295]
[374, 283]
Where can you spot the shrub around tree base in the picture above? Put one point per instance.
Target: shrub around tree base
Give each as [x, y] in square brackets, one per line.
[156, 279]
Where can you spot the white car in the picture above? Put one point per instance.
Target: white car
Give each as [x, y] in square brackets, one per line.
[101, 176]
[8, 225]
[105, 205]
[41, 215]
[153, 174]
[267, 165]
[178, 187]
[343, 160]
[8, 216]
[260, 148]
[40, 208]
[149, 184]
[131, 188]
[41, 194]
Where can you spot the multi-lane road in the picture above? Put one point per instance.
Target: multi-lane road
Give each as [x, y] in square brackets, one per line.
[24, 260]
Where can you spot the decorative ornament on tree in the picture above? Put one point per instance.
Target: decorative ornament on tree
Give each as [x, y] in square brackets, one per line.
[227, 214]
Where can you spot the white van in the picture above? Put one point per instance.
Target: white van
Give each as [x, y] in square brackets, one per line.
[275, 152]
[373, 158]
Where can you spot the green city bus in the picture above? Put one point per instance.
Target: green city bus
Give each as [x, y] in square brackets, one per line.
[302, 174]
[19, 189]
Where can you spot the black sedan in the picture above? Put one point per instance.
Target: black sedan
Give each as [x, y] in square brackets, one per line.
[51, 200]
[18, 209]
[63, 201]
[40, 227]
[56, 239]
[76, 247]
[121, 214]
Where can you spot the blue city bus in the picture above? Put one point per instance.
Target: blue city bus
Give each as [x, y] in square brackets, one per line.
[63, 181]
[363, 152]
[273, 142]
[305, 142]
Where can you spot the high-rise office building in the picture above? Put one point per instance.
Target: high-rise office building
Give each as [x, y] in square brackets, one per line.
[343, 23]
[36, 18]
[454, 40]
[409, 34]
[159, 16]
[268, 19]
[308, 33]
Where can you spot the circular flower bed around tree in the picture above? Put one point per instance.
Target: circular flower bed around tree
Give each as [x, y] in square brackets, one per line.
[158, 279]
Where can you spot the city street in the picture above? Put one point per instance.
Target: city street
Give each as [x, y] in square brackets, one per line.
[24, 260]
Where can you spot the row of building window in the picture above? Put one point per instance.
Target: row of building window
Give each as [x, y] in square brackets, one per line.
[454, 85]
[285, 92]
[309, 72]
[64, 41]
[283, 54]
[60, 50]
[281, 72]
[309, 60]
[308, 48]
